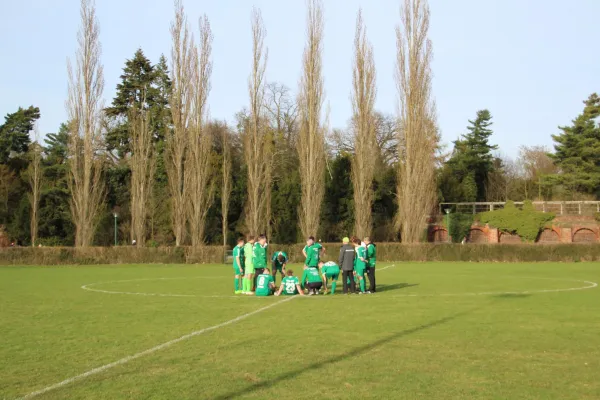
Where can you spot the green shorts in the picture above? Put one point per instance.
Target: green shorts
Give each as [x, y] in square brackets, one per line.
[237, 270]
[333, 277]
[249, 269]
[359, 271]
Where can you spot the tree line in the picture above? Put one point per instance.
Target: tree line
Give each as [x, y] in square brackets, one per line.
[154, 163]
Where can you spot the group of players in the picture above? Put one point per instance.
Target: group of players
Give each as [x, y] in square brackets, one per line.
[252, 276]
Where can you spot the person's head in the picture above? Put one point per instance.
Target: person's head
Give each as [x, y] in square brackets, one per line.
[367, 240]
[356, 241]
[321, 263]
[346, 240]
[280, 258]
[289, 272]
[262, 239]
[267, 271]
[240, 241]
[249, 238]
[311, 240]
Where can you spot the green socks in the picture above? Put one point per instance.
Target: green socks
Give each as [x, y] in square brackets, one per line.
[362, 285]
[333, 285]
[236, 284]
[245, 282]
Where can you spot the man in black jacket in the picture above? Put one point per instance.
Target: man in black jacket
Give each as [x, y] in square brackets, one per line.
[346, 262]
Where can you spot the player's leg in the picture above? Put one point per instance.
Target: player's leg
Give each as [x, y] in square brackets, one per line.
[236, 280]
[372, 285]
[274, 275]
[361, 280]
[334, 279]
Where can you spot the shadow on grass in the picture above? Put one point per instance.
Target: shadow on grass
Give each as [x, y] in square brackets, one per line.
[512, 295]
[395, 286]
[338, 358]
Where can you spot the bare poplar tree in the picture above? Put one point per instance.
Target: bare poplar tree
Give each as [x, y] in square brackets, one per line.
[143, 165]
[226, 182]
[34, 174]
[176, 139]
[255, 134]
[363, 121]
[311, 140]
[416, 177]
[84, 107]
[198, 165]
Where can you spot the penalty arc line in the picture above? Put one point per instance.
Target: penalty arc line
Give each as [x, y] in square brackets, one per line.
[154, 349]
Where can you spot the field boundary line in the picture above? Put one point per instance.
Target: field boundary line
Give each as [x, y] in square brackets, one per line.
[154, 349]
[384, 268]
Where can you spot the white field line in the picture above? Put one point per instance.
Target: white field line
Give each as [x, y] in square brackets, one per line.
[149, 351]
[384, 268]
[89, 288]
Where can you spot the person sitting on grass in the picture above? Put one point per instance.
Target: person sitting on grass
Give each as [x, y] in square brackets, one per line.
[279, 261]
[290, 285]
[265, 286]
[311, 280]
[329, 271]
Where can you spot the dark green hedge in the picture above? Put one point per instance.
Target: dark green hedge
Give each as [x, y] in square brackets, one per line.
[385, 252]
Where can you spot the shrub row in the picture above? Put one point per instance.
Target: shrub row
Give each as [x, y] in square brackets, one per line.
[385, 252]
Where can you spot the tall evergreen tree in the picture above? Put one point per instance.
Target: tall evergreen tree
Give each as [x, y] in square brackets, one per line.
[14, 133]
[577, 151]
[473, 156]
[134, 91]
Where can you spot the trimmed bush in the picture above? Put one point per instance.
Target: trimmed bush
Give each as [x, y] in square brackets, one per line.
[527, 223]
[460, 226]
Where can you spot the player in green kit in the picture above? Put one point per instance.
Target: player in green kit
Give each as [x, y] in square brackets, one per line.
[313, 251]
[311, 280]
[248, 266]
[237, 265]
[279, 261]
[290, 285]
[329, 271]
[371, 261]
[260, 257]
[360, 264]
[265, 286]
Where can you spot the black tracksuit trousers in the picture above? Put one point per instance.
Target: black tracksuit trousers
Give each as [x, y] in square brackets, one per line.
[345, 276]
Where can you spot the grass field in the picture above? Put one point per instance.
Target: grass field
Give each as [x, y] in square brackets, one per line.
[433, 331]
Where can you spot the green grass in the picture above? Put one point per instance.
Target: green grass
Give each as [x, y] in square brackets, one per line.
[429, 333]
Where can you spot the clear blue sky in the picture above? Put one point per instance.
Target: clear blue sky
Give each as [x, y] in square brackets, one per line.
[531, 62]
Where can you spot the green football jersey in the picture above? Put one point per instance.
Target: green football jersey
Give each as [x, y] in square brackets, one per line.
[248, 255]
[371, 254]
[311, 275]
[275, 258]
[262, 285]
[260, 256]
[313, 253]
[289, 285]
[360, 252]
[237, 252]
[330, 269]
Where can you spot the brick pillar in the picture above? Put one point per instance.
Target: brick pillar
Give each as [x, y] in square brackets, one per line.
[566, 235]
[493, 235]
